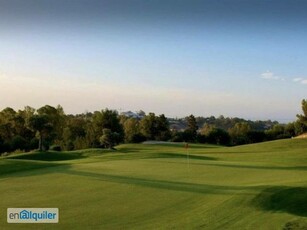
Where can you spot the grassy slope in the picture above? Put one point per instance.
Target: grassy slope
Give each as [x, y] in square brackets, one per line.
[260, 186]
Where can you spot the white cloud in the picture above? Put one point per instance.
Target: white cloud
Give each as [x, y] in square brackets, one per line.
[298, 79]
[268, 75]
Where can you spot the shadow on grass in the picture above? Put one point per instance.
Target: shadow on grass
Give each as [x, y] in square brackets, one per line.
[182, 145]
[128, 150]
[291, 200]
[21, 168]
[182, 156]
[206, 146]
[261, 167]
[49, 156]
[121, 155]
[163, 184]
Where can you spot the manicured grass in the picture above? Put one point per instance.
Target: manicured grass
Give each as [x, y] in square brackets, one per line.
[162, 186]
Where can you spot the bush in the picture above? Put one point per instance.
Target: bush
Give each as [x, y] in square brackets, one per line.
[56, 148]
[219, 137]
[19, 142]
[138, 138]
[201, 138]
[70, 146]
[177, 137]
[5, 147]
[33, 143]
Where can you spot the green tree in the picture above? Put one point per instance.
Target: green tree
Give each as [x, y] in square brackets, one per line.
[218, 136]
[276, 132]
[149, 126]
[18, 142]
[7, 124]
[206, 129]
[43, 127]
[131, 129]
[109, 138]
[57, 119]
[191, 130]
[299, 127]
[155, 127]
[107, 119]
[74, 133]
[290, 129]
[13, 128]
[302, 118]
[239, 133]
[163, 131]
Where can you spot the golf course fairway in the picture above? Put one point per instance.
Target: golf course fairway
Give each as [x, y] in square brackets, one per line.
[162, 186]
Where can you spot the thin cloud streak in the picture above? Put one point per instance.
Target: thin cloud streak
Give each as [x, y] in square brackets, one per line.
[300, 80]
[297, 79]
[268, 75]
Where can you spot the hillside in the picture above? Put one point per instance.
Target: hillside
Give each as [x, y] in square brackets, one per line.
[163, 186]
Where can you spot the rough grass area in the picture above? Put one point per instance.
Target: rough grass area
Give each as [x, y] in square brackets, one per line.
[162, 186]
[302, 136]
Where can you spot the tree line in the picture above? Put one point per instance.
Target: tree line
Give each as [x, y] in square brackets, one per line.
[50, 128]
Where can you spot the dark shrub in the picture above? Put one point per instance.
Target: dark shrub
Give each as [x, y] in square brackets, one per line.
[19, 142]
[201, 138]
[33, 143]
[138, 138]
[219, 137]
[56, 148]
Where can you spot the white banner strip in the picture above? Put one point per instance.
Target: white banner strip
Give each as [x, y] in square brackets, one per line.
[33, 215]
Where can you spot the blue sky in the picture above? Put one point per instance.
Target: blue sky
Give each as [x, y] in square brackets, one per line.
[240, 58]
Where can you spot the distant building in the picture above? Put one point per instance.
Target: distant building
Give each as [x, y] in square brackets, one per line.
[131, 114]
[176, 125]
